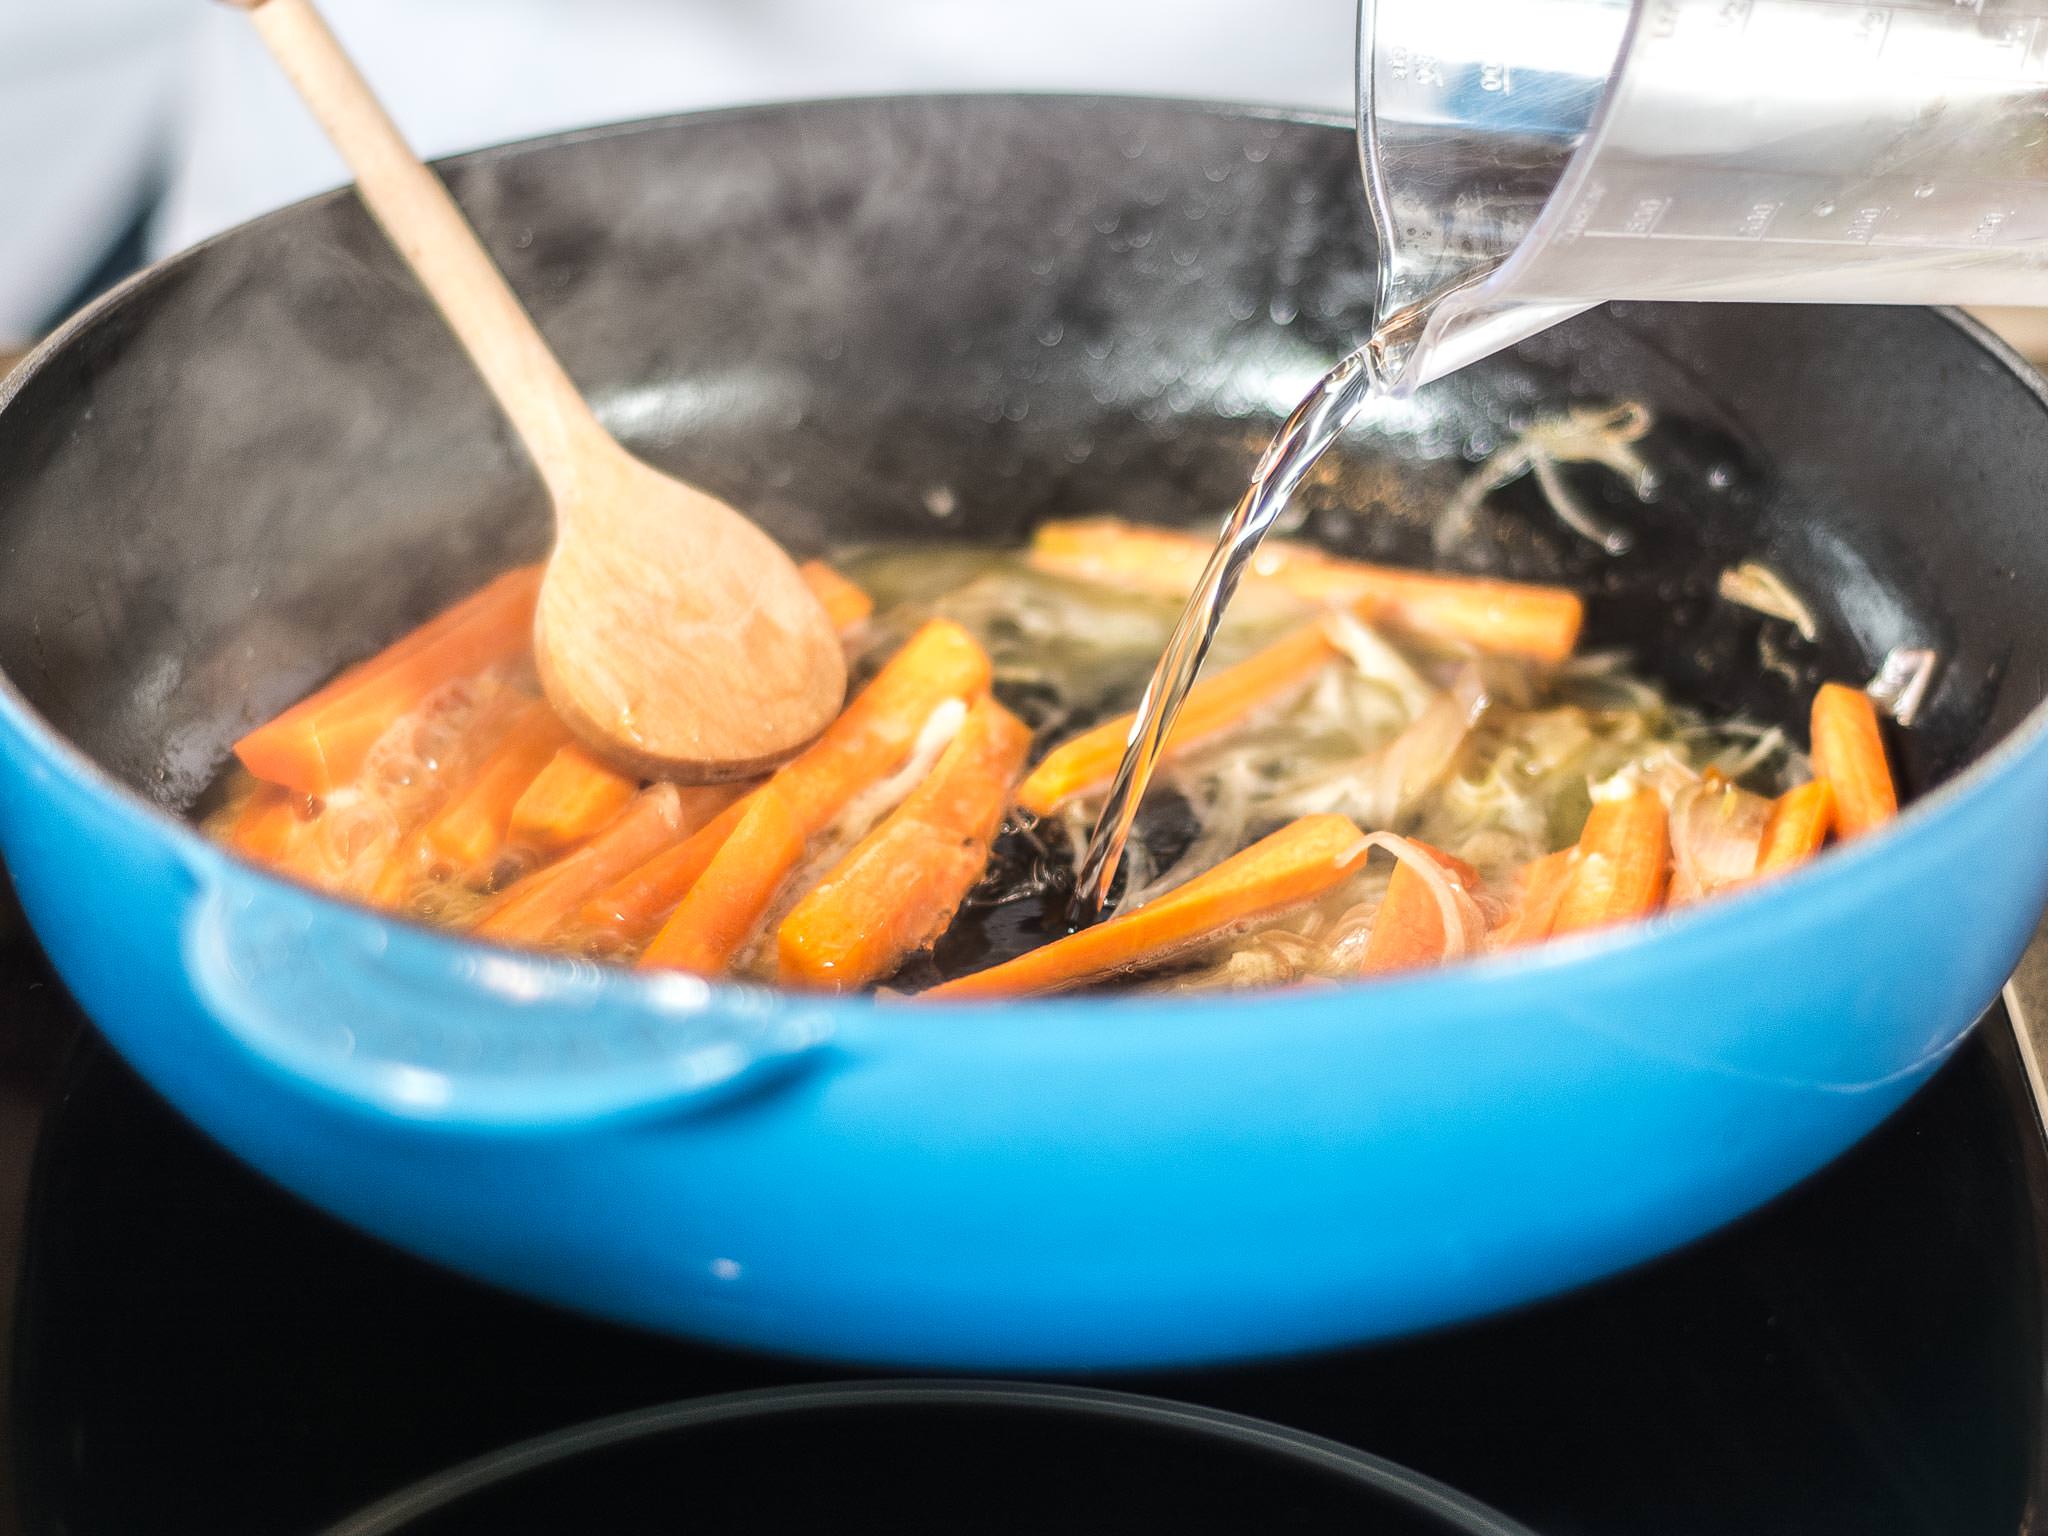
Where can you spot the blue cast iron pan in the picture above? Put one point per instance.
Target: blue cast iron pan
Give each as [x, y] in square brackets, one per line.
[265, 458]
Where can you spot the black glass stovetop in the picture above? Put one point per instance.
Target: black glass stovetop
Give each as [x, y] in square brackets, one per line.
[195, 1351]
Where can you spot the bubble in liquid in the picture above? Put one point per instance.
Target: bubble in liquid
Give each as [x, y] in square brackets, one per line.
[1049, 334]
[1925, 189]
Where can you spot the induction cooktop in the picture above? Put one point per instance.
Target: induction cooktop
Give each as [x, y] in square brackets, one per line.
[196, 1351]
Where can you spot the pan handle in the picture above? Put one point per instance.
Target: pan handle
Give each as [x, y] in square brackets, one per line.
[397, 1021]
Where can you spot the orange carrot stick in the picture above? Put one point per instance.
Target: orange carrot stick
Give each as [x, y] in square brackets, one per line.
[870, 740]
[716, 917]
[1214, 704]
[1848, 752]
[570, 799]
[898, 890]
[468, 833]
[1624, 857]
[874, 735]
[1539, 888]
[407, 857]
[845, 604]
[1505, 617]
[263, 827]
[1296, 864]
[1798, 825]
[634, 905]
[320, 742]
[1408, 929]
[531, 909]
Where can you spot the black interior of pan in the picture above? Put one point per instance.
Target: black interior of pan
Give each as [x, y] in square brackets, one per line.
[937, 319]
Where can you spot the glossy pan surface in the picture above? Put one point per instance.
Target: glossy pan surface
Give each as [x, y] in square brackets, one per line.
[948, 318]
[1007, 1459]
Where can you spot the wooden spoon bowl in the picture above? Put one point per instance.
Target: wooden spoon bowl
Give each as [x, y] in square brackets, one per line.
[674, 636]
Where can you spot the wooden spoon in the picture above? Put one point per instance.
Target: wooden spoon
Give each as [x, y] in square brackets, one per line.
[673, 635]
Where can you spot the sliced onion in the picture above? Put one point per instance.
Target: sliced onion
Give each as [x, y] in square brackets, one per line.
[1662, 768]
[1463, 921]
[1739, 763]
[1222, 806]
[1575, 514]
[883, 796]
[1715, 832]
[1755, 586]
[1271, 958]
[1415, 761]
[1378, 661]
[1603, 435]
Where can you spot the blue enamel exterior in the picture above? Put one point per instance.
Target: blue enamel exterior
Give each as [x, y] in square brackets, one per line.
[1079, 1183]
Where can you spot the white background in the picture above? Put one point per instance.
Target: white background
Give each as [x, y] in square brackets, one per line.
[93, 93]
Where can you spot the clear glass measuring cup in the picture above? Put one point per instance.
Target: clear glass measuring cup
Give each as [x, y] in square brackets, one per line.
[1526, 159]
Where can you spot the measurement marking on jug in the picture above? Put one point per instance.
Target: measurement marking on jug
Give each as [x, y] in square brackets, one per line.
[1732, 15]
[1757, 220]
[1990, 223]
[1582, 212]
[1864, 224]
[1708, 237]
[1642, 219]
[1499, 78]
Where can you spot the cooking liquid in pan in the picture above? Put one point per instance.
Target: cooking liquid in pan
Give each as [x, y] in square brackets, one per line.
[1307, 434]
[1302, 439]
[1490, 756]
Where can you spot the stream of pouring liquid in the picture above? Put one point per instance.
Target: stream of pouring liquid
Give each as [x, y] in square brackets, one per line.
[1301, 440]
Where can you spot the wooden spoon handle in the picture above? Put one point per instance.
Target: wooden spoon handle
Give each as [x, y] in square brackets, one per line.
[414, 208]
